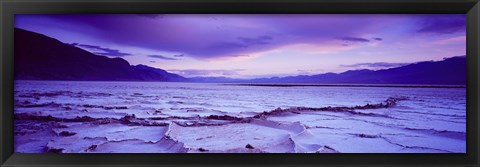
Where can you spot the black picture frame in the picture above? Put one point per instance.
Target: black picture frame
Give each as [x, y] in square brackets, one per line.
[8, 8]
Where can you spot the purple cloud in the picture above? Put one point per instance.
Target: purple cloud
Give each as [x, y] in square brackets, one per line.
[161, 57]
[378, 39]
[203, 37]
[217, 36]
[376, 65]
[260, 40]
[101, 50]
[353, 39]
[445, 24]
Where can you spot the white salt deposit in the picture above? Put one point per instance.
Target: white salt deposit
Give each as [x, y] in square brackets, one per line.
[138, 117]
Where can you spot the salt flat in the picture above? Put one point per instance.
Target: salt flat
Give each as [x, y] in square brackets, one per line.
[156, 117]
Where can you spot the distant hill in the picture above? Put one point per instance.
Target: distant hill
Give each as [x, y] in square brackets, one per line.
[450, 71]
[38, 57]
[216, 79]
[155, 74]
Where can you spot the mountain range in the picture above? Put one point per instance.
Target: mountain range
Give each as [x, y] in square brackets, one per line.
[450, 71]
[39, 57]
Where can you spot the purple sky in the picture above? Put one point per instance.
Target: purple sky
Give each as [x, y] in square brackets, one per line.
[246, 46]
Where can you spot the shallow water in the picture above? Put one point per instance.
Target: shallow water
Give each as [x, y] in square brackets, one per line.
[168, 117]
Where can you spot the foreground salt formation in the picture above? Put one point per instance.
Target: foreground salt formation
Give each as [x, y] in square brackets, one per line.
[180, 121]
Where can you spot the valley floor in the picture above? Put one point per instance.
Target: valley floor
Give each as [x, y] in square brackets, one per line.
[137, 122]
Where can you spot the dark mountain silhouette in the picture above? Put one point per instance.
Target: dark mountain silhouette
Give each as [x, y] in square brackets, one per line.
[450, 71]
[150, 73]
[38, 57]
